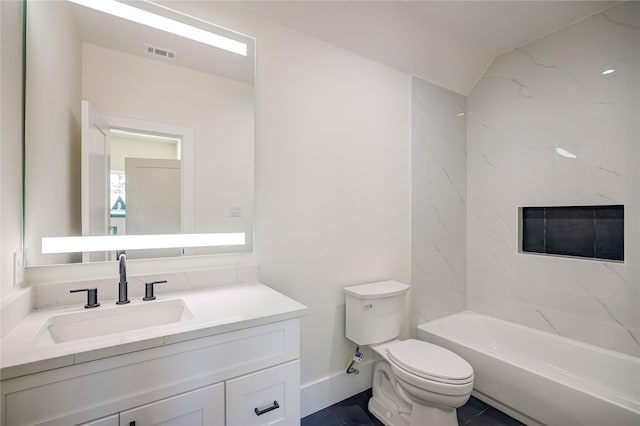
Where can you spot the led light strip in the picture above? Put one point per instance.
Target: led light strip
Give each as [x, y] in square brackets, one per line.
[133, 242]
[152, 20]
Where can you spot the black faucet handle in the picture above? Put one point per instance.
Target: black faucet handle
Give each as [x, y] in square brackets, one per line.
[148, 290]
[92, 296]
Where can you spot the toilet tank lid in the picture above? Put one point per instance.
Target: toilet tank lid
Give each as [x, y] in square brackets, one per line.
[375, 290]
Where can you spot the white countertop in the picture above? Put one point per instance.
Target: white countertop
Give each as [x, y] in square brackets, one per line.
[215, 310]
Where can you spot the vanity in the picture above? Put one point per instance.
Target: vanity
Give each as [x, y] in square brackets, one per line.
[227, 355]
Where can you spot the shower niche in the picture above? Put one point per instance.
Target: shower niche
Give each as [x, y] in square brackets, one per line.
[591, 232]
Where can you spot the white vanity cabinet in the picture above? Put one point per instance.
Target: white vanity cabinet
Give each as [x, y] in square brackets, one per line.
[220, 379]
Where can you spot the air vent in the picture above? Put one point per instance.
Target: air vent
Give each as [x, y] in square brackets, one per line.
[159, 51]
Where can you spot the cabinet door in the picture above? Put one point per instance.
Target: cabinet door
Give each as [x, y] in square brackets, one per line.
[204, 406]
[267, 397]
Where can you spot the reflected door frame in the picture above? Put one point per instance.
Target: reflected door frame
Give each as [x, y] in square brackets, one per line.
[95, 164]
[187, 157]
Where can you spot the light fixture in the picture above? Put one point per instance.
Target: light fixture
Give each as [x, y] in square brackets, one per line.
[134, 242]
[563, 152]
[147, 136]
[158, 22]
[609, 71]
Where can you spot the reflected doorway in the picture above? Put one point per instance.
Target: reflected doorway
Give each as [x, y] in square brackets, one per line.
[144, 177]
[145, 187]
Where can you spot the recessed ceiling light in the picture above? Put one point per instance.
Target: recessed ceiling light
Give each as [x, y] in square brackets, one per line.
[609, 71]
[158, 22]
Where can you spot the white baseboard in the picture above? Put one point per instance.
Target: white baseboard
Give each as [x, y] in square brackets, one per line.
[325, 392]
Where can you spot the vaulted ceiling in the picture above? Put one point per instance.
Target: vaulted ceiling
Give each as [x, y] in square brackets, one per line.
[449, 43]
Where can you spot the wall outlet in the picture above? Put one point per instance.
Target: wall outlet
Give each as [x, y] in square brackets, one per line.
[18, 268]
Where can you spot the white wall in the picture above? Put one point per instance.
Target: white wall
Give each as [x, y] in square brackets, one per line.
[124, 147]
[53, 163]
[551, 93]
[11, 137]
[332, 182]
[439, 197]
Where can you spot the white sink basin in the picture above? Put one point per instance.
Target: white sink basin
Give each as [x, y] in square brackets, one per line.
[117, 319]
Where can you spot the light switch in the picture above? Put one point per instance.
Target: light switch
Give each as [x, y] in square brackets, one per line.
[235, 211]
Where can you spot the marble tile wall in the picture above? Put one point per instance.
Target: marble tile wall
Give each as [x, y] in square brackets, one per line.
[439, 196]
[551, 94]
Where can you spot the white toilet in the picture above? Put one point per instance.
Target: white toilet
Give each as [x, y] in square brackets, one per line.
[415, 383]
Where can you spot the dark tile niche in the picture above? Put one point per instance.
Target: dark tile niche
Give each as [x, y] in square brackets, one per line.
[593, 232]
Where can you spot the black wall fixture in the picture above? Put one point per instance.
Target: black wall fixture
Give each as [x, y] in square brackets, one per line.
[594, 232]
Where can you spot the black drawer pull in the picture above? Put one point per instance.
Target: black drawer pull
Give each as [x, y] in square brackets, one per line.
[266, 410]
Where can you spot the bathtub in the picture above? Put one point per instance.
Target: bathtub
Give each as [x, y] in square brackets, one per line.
[538, 377]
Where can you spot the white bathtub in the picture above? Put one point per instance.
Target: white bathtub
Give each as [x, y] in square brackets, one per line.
[538, 377]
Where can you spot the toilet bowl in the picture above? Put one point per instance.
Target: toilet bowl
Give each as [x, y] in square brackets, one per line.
[415, 383]
[418, 383]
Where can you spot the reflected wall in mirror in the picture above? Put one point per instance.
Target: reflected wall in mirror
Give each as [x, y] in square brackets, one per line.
[125, 71]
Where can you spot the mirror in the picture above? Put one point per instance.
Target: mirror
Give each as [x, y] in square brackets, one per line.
[152, 88]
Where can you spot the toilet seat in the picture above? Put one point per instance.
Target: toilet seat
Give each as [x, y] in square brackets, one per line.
[430, 362]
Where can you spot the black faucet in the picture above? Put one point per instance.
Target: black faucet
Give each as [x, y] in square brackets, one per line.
[92, 297]
[122, 285]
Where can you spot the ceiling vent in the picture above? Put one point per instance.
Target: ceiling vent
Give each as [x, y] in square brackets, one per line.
[165, 53]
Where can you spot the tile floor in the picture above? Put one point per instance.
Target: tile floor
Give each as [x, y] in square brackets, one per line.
[353, 411]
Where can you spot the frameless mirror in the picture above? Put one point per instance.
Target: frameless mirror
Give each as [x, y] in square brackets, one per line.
[133, 130]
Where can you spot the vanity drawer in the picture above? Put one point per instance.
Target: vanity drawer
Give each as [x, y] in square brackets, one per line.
[112, 420]
[201, 407]
[267, 397]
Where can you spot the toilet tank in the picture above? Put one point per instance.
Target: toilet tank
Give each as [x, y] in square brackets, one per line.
[374, 312]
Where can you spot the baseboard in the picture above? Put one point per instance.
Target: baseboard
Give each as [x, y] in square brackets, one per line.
[325, 392]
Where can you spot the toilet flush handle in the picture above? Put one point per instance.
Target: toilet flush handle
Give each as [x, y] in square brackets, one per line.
[368, 306]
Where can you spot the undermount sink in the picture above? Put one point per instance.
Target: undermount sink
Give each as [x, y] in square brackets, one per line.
[117, 319]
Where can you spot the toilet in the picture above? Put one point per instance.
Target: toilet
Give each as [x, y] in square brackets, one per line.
[415, 383]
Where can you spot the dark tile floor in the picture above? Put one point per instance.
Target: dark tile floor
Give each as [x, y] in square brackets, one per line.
[353, 412]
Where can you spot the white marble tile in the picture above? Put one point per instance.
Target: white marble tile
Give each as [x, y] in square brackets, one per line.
[438, 202]
[551, 93]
